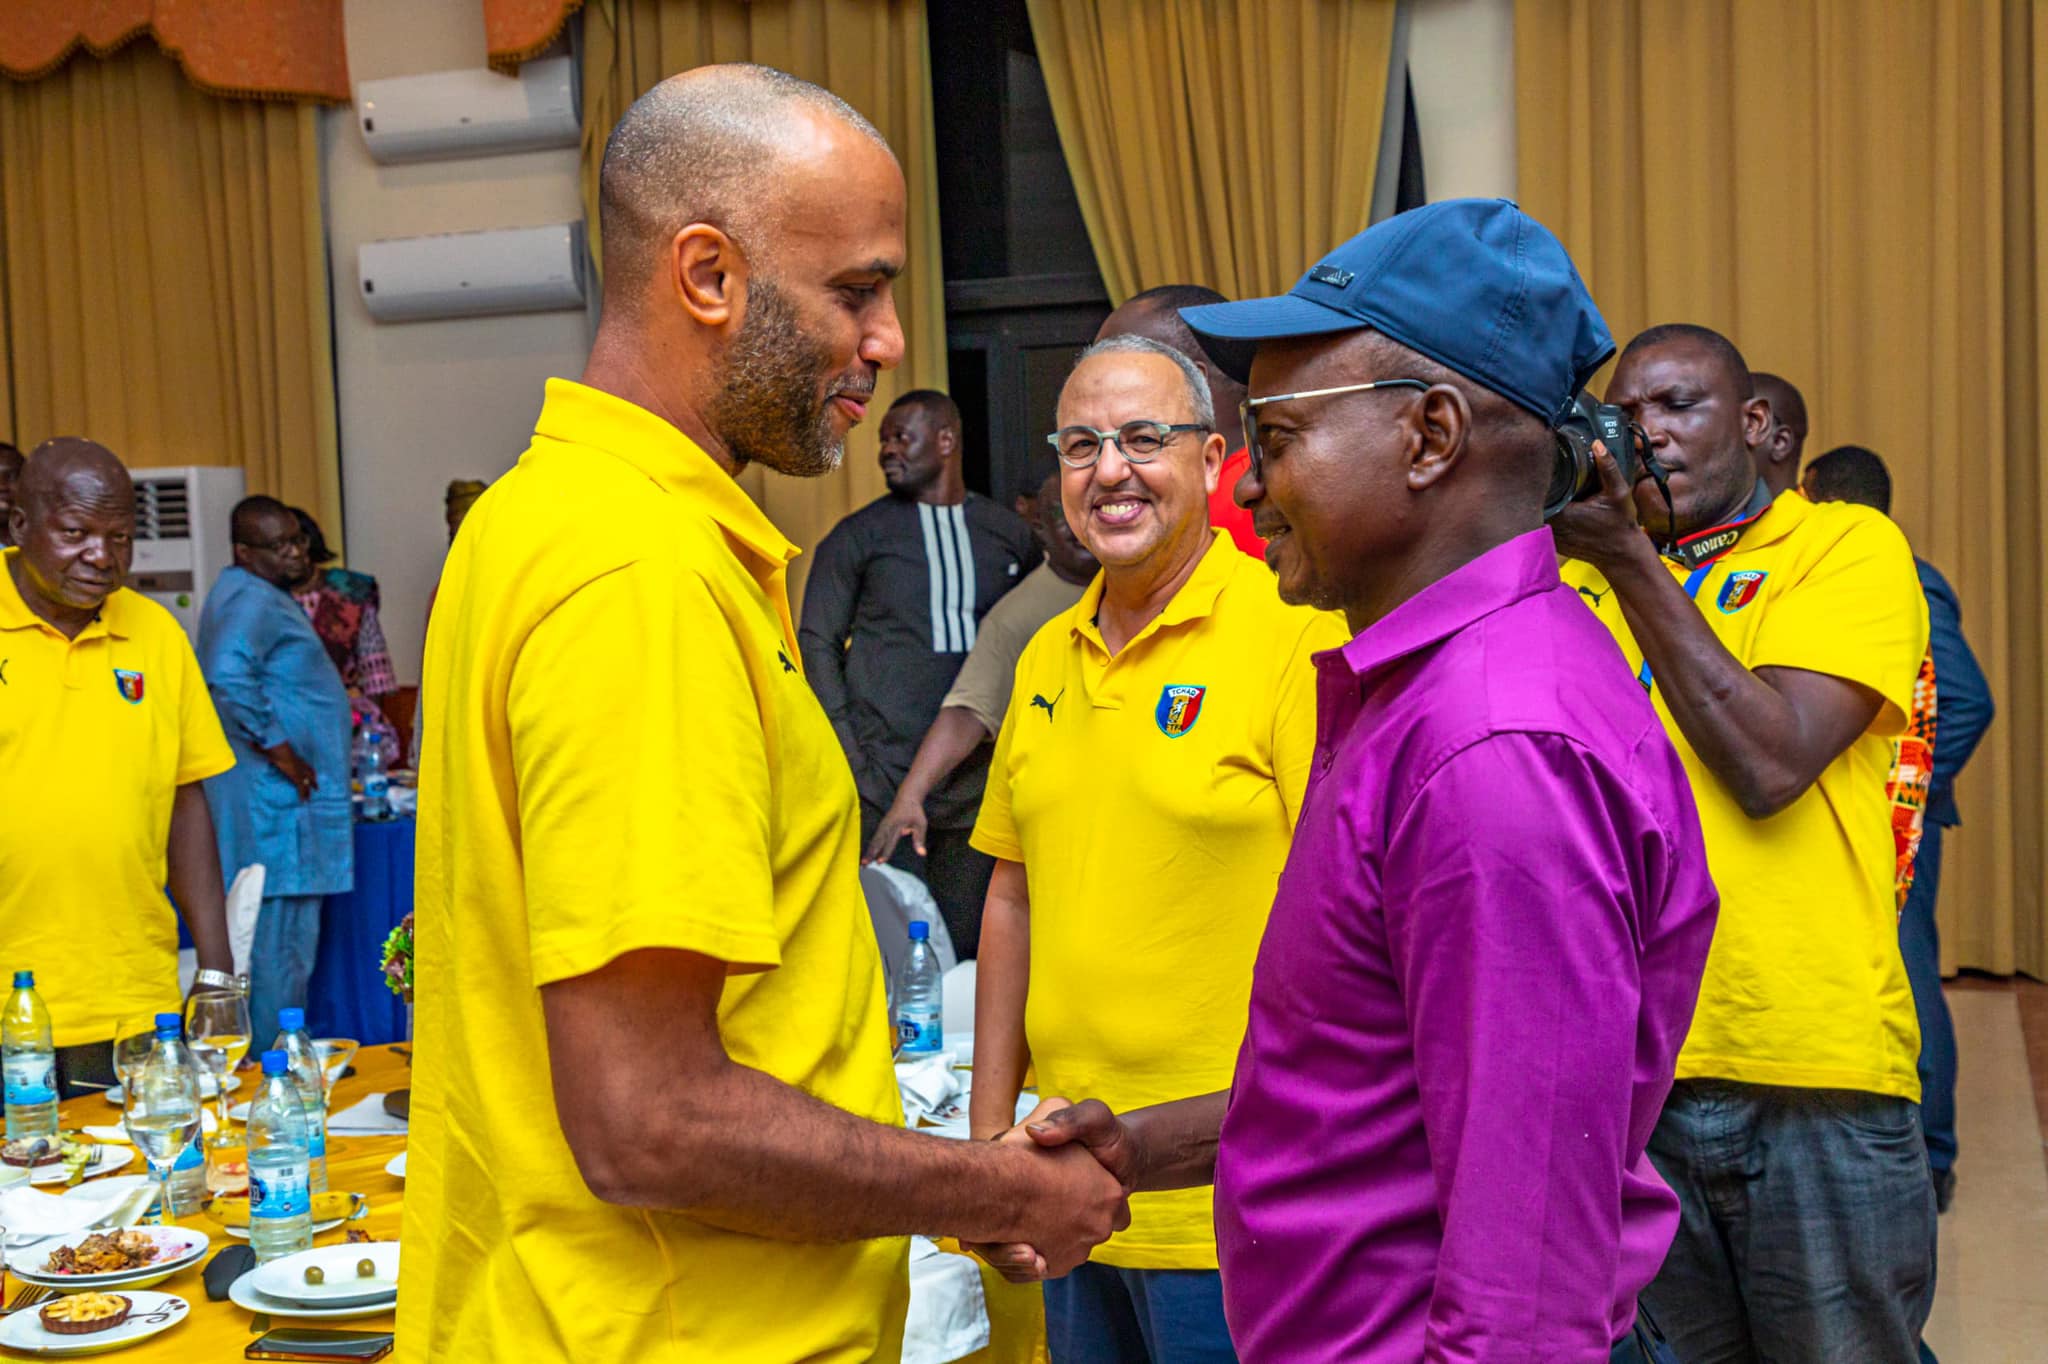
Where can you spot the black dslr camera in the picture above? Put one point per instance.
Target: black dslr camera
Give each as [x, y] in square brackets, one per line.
[1574, 477]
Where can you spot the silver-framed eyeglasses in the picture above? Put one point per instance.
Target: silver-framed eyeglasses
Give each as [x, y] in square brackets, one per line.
[1248, 411]
[1080, 446]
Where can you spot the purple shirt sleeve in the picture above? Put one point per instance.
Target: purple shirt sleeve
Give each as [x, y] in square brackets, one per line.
[1510, 924]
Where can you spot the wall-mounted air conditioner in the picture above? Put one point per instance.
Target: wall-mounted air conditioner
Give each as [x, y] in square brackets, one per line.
[470, 274]
[181, 536]
[474, 112]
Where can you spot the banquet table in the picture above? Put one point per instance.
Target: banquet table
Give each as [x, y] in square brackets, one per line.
[220, 1331]
[347, 996]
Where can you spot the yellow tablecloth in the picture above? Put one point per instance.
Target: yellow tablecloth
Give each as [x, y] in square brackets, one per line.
[220, 1331]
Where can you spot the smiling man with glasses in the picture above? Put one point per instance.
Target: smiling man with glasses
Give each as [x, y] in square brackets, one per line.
[1489, 933]
[1144, 787]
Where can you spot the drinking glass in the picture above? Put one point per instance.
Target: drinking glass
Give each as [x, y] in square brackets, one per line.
[218, 1030]
[162, 1116]
[134, 1035]
[335, 1053]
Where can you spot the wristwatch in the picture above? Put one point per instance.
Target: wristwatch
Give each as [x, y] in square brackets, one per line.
[219, 980]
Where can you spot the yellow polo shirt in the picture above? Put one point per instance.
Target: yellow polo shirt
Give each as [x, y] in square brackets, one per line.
[625, 755]
[97, 734]
[1151, 798]
[1804, 983]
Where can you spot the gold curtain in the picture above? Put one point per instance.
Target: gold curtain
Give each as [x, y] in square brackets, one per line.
[1855, 192]
[872, 54]
[1230, 143]
[166, 276]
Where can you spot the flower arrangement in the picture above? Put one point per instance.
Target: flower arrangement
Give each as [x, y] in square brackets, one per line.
[398, 960]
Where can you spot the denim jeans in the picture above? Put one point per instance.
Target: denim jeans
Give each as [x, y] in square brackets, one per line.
[1806, 1230]
[281, 961]
[1100, 1314]
[1920, 945]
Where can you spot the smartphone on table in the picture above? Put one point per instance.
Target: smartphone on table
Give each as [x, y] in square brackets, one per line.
[307, 1342]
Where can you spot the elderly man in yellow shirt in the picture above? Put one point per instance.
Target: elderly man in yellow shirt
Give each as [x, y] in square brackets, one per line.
[106, 732]
[1141, 800]
[654, 1117]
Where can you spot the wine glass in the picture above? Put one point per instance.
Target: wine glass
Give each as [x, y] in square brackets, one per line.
[134, 1036]
[218, 1030]
[162, 1116]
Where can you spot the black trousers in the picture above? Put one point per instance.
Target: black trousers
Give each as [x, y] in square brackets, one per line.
[87, 1068]
[956, 874]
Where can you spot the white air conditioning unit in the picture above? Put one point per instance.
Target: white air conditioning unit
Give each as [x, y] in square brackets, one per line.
[181, 536]
[471, 274]
[474, 112]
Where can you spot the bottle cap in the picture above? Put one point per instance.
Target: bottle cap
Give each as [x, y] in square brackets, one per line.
[274, 1063]
[24, 980]
[169, 1023]
[919, 930]
[291, 1020]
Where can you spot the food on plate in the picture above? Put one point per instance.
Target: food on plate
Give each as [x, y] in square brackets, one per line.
[315, 1274]
[29, 1151]
[232, 1209]
[366, 1269]
[83, 1313]
[107, 1252]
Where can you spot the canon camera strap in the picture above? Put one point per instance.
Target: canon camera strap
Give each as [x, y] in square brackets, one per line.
[1703, 547]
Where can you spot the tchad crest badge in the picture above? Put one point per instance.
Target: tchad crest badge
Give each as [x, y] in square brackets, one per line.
[1740, 590]
[130, 684]
[1179, 708]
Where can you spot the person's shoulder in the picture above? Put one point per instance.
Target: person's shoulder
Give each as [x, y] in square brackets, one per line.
[1251, 595]
[992, 515]
[1835, 527]
[350, 585]
[1934, 584]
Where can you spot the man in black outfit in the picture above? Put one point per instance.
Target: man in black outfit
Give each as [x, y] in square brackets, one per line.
[891, 608]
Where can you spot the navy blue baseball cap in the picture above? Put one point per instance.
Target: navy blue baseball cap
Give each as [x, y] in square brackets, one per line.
[1476, 285]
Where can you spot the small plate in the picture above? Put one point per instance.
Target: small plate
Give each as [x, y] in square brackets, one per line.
[285, 1278]
[245, 1294]
[397, 1166]
[182, 1246]
[148, 1314]
[207, 1089]
[105, 1160]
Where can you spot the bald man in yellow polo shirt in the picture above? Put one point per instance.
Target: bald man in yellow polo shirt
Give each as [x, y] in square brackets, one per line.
[106, 731]
[1140, 802]
[653, 1116]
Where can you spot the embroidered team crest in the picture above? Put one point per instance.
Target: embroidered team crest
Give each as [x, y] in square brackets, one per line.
[130, 685]
[1740, 590]
[1179, 708]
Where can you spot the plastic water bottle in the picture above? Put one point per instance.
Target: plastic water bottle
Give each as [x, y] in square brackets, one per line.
[311, 1077]
[280, 1187]
[920, 995]
[188, 1162]
[30, 1061]
[371, 774]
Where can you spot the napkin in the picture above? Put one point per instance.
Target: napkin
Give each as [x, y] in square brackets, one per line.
[30, 1214]
[948, 1316]
[367, 1118]
[926, 1083]
[245, 897]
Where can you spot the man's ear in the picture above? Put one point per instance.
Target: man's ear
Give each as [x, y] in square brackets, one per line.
[707, 274]
[1440, 428]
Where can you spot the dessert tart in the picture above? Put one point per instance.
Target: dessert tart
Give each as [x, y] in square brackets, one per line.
[28, 1152]
[81, 1314]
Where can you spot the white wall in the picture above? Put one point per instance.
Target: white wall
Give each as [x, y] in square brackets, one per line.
[424, 402]
[1461, 66]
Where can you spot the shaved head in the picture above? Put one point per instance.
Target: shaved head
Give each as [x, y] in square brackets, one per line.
[71, 469]
[74, 520]
[703, 147]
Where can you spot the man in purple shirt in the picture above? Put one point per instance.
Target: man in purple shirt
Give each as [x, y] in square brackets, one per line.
[1491, 929]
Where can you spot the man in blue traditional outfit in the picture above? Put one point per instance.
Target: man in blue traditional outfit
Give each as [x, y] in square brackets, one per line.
[285, 803]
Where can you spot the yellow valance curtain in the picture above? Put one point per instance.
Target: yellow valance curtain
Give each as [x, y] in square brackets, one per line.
[1222, 142]
[279, 49]
[1853, 190]
[872, 54]
[166, 275]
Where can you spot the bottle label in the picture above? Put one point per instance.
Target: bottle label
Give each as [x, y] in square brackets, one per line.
[31, 1079]
[191, 1158]
[918, 1030]
[316, 1133]
[286, 1192]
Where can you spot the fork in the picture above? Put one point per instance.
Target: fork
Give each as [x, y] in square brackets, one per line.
[29, 1296]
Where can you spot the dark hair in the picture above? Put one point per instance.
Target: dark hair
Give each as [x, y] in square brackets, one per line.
[1177, 296]
[317, 552]
[241, 519]
[1723, 349]
[8, 447]
[1851, 473]
[944, 412]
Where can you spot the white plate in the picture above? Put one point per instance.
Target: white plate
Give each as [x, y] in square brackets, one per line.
[182, 1246]
[242, 1233]
[245, 1294]
[286, 1278]
[105, 1160]
[396, 1166]
[207, 1089]
[148, 1314]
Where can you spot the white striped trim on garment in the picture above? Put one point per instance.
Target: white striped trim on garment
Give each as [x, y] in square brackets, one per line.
[949, 562]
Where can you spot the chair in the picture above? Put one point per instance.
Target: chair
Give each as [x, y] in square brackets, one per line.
[958, 1016]
[895, 897]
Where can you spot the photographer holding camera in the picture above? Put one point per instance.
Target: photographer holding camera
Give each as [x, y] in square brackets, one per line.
[1779, 641]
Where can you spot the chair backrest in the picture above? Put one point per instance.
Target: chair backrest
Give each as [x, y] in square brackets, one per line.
[895, 897]
[957, 1017]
